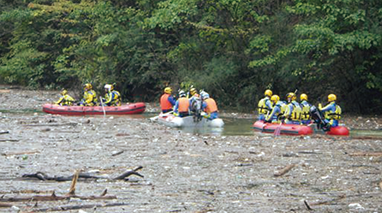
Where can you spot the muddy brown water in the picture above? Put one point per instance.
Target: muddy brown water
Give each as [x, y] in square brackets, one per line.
[184, 171]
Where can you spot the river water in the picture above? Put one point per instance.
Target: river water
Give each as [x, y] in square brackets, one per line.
[232, 169]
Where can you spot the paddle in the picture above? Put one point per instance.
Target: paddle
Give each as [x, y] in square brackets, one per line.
[277, 131]
[156, 117]
[103, 108]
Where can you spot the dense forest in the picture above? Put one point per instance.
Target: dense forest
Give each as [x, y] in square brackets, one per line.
[233, 49]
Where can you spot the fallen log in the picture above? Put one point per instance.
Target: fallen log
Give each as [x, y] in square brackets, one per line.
[64, 124]
[324, 202]
[128, 173]
[54, 197]
[20, 153]
[284, 170]
[5, 205]
[73, 207]
[117, 153]
[82, 176]
[366, 154]
[9, 140]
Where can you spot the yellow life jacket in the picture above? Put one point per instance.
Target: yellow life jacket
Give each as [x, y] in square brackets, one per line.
[336, 115]
[116, 99]
[305, 111]
[90, 98]
[67, 100]
[262, 107]
[295, 115]
[283, 110]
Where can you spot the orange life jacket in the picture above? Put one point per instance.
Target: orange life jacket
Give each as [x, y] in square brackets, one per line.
[164, 103]
[184, 104]
[211, 105]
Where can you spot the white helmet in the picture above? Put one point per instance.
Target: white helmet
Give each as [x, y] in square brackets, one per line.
[205, 95]
[108, 87]
[182, 93]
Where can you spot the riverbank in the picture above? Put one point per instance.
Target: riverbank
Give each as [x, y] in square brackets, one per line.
[182, 172]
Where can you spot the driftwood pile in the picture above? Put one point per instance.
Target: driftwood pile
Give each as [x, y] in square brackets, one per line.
[6, 202]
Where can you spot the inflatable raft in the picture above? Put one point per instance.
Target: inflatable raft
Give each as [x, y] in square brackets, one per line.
[189, 121]
[133, 108]
[338, 130]
[285, 129]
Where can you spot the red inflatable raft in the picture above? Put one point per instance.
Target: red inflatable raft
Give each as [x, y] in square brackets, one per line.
[338, 130]
[285, 129]
[133, 108]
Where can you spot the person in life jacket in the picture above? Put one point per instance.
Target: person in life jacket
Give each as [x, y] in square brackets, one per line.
[112, 97]
[209, 106]
[332, 111]
[278, 110]
[90, 96]
[166, 100]
[305, 113]
[182, 105]
[265, 105]
[65, 99]
[293, 112]
[194, 99]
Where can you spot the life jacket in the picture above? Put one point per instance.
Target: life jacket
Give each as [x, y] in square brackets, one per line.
[116, 98]
[183, 105]
[262, 107]
[295, 115]
[305, 112]
[211, 105]
[67, 101]
[90, 98]
[282, 106]
[164, 103]
[336, 115]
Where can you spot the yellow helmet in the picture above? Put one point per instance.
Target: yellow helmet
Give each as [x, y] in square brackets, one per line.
[268, 93]
[64, 92]
[332, 97]
[291, 96]
[192, 91]
[275, 98]
[168, 90]
[88, 86]
[303, 97]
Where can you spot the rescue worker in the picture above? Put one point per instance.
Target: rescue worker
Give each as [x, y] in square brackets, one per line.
[332, 111]
[182, 105]
[194, 98]
[112, 97]
[293, 112]
[277, 114]
[209, 106]
[305, 109]
[90, 96]
[167, 101]
[65, 99]
[265, 105]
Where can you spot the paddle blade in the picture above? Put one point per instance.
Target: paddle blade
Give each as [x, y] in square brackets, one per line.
[277, 131]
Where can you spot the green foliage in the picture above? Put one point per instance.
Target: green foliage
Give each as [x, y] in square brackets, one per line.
[234, 49]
